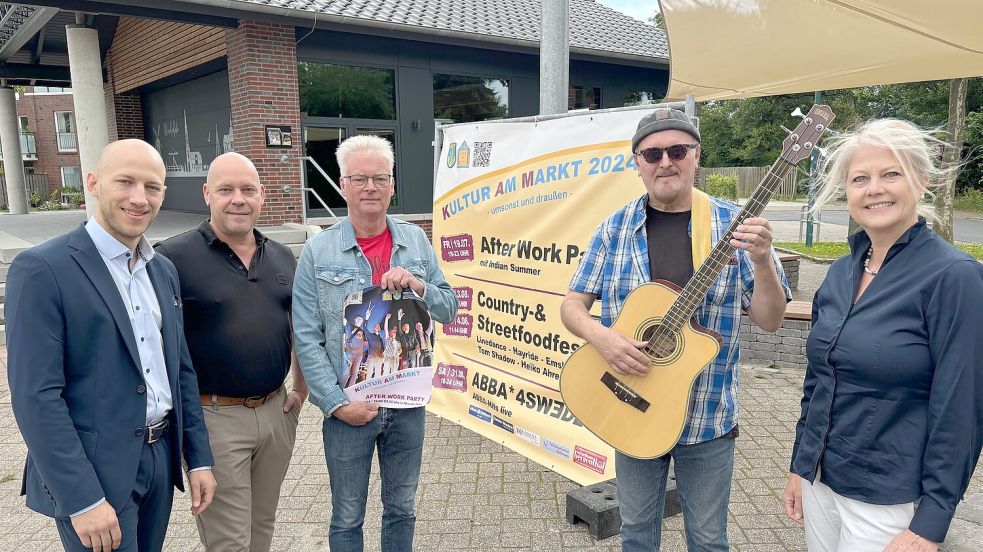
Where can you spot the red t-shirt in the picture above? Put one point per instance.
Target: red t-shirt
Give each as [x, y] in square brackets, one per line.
[378, 251]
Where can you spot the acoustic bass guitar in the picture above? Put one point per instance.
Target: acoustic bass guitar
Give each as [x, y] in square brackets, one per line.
[644, 416]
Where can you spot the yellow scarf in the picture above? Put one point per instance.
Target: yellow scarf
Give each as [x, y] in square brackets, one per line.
[700, 224]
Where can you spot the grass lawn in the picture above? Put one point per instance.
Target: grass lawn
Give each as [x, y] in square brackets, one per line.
[970, 200]
[835, 250]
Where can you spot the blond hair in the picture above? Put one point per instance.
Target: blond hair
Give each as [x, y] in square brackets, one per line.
[364, 143]
[917, 150]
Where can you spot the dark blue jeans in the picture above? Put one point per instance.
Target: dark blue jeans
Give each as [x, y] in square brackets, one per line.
[397, 434]
[703, 475]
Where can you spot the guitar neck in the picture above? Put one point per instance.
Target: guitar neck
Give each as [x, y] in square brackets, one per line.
[696, 289]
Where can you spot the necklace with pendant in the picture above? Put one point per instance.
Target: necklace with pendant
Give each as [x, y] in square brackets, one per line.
[867, 269]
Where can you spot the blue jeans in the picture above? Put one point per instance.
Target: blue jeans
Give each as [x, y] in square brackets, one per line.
[703, 475]
[398, 434]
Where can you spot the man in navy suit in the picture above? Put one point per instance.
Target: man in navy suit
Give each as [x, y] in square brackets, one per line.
[101, 382]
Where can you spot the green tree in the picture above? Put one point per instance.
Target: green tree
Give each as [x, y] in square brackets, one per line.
[346, 91]
[658, 20]
[469, 99]
[746, 132]
[955, 133]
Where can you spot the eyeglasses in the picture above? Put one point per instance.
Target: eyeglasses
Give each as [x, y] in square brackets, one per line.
[360, 180]
[676, 153]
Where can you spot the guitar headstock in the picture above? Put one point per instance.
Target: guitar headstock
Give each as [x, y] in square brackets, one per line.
[802, 140]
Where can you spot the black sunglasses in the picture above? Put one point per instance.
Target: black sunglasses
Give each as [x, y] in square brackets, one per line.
[676, 153]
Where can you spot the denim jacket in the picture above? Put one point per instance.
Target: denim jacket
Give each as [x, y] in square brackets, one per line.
[331, 267]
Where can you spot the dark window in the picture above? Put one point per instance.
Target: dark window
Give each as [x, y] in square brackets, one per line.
[460, 99]
[348, 92]
[584, 97]
[320, 143]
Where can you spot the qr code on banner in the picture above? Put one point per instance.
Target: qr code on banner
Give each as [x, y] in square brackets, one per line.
[482, 154]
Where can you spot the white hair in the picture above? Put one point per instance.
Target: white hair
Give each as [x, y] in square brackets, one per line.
[364, 143]
[917, 150]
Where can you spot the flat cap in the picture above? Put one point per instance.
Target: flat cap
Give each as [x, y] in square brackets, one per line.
[663, 119]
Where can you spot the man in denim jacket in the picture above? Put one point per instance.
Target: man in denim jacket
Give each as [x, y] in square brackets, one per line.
[366, 248]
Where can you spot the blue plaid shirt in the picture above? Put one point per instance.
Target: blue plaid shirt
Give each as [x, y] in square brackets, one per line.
[617, 261]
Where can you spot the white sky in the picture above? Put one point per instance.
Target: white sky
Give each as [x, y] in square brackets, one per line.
[639, 9]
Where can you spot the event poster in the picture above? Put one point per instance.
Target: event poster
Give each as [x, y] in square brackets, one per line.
[388, 348]
[515, 205]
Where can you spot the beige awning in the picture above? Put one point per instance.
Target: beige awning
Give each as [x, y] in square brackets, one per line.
[722, 49]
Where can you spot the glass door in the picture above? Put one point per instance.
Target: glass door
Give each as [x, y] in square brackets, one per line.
[320, 144]
[321, 140]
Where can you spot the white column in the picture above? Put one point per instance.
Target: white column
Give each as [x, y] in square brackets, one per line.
[90, 100]
[13, 163]
[554, 57]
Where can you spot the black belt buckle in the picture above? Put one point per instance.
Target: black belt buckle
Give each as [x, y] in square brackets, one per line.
[157, 431]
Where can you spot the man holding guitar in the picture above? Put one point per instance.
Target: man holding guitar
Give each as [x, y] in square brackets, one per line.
[666, 235]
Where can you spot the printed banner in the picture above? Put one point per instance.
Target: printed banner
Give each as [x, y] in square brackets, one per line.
[388, 345]
[515, 205]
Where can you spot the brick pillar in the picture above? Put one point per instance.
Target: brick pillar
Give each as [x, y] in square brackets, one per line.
[263, 89]
[124, 112]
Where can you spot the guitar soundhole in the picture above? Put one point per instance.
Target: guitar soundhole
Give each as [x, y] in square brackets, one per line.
[663, 343]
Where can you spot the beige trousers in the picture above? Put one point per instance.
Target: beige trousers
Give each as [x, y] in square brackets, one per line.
[252, 448]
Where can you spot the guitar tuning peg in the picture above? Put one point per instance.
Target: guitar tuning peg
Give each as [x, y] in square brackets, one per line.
[787, 131]
[798, 112]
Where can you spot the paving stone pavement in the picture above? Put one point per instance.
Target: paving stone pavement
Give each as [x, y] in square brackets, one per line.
[475, 495]
[811, 275]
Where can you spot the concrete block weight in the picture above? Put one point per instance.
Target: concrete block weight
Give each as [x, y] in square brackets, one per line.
[597, 506]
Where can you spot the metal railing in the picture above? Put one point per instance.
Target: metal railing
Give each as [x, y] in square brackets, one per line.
[28, 146]
[304, 190]
[67, 141]
[817, 223]
[688, 106]
[72, 179]
[34, 183]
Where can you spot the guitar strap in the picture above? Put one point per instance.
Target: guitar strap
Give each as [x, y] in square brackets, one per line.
[700, 224]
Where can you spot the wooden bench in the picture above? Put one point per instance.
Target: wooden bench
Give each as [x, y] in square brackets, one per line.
[799, 310]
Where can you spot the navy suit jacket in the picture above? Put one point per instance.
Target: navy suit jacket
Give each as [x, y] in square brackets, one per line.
[75, 383]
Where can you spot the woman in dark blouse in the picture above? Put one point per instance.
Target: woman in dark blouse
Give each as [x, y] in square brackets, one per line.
[892, 407]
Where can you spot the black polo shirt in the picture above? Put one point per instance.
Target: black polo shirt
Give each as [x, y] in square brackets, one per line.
[235, 319]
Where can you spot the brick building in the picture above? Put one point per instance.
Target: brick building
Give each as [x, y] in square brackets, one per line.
[283, 80]
[47, 121]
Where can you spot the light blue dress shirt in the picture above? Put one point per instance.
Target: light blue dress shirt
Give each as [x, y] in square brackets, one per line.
[142, 307]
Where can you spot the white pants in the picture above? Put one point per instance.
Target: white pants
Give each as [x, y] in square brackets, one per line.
[835, 523]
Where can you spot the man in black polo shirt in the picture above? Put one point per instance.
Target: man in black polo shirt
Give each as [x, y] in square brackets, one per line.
[235, 285]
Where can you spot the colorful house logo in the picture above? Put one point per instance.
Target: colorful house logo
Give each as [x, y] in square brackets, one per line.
[464, 156]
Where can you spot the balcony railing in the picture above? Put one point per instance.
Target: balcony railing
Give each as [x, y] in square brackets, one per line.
[67, 141]
[71, 180]
[28, 146]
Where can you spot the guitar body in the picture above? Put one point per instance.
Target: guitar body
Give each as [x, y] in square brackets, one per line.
[641, 416]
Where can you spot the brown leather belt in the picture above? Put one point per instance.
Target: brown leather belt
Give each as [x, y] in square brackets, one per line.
[248, 402]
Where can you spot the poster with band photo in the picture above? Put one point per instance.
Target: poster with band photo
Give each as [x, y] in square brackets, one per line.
[388, 345]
